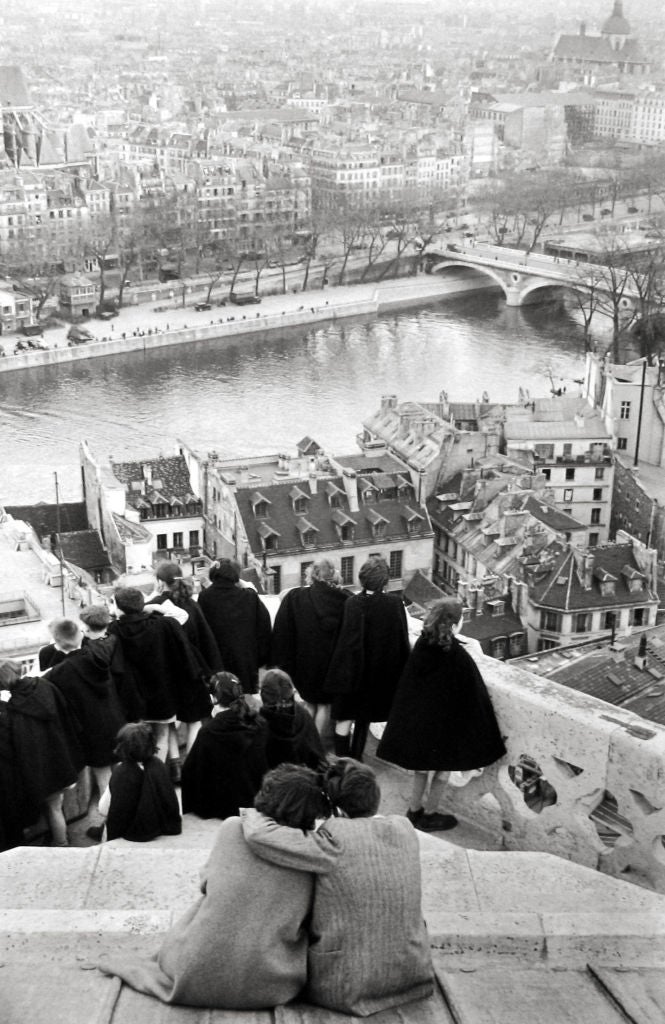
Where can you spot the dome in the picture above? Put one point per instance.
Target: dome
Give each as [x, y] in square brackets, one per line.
[616, 24]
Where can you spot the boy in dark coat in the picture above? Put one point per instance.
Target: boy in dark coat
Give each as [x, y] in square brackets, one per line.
[305, 632]
[84, 680]
[160, 665]
[371, 651]
[240, 623]
[43, 735]
[292, 735]
[442, 717]
[224, 769]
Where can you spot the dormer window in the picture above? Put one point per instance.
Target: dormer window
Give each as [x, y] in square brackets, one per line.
[606, 582]
[345, 526]
[307, 532]
[260, 505]
[299, 500]
[377, 522]
[335, 495]
[413, 519]
[633, 579]
[269, 537]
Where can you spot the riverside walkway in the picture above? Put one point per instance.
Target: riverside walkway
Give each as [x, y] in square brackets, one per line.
[145, 326]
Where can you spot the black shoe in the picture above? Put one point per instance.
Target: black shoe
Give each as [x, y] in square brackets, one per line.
[95, 832]
[436, 822]
[414, 816]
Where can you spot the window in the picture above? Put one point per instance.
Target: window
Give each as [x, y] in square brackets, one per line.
[600, 473]
[570, 474]
[637, 617]
[568, 494]
[304, 568]
[547, 473]
[194, 538]
[261, 510]
[622, 444]
[598, 494]
[300, 506]
[550, 621]
[582, 623]
[625, 411]
[546, 645]
[593, 540]
[276, 578]
[567, 451]
[177, 540]
[346, 567]
[595, 516]
[609, 620]
[395, 565]
[161, 542]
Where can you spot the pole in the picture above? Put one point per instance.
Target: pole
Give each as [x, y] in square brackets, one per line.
[57, 526]
[639, 415]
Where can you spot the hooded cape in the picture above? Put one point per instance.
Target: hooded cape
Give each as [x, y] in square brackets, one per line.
[144, 804]
[240, 623]
[223, 770]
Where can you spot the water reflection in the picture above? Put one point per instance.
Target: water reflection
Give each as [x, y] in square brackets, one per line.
[258, 394]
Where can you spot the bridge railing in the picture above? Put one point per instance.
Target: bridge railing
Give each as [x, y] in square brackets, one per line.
[582, 779]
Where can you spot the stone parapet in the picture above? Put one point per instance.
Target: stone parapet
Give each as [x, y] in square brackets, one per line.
[596, 794]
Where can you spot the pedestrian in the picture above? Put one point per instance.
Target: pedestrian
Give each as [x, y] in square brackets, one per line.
[158, 667]
[292, 736]
[140, 803]
[369, 949]
[442, 718]
[41, 736]
[224, 769]
[370, 653]
[243, 944]
[304, 634]
[84, 680]
[239, 621]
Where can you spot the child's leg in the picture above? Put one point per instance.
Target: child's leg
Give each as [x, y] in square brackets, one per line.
[418, 790]
[322, 718]
[56, 819]
[161, 734]
[435, 792]
[342, 738]
[102, 778]
[192, 733]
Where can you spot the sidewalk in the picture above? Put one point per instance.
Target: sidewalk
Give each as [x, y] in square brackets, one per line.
[168, 322]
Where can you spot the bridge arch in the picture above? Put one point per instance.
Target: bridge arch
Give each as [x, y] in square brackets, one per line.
[475, 271]
[542, 284]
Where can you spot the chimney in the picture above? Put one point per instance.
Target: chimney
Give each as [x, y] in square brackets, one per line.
[388, 402]
[640, 659]
[351, 488]
[444, 405]
[587, 570]
[147, 473]
[312, 482]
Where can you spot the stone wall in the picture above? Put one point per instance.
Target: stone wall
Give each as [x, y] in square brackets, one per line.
[599, 800]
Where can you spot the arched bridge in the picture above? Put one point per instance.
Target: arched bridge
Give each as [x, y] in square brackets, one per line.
[520, 274]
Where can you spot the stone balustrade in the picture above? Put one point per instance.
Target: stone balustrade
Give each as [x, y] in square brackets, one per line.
[582, 779]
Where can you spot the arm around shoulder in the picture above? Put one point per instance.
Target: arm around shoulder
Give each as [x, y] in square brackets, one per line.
[315, 851]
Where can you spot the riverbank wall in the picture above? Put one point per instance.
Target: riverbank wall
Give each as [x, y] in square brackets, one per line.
[140, 329]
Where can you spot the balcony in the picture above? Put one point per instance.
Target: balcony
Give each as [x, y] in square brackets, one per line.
[592, 791]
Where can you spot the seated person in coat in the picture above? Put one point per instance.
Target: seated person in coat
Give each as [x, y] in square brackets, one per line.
[292, 736]
[243, 944]
[369, 948]
[224, 769]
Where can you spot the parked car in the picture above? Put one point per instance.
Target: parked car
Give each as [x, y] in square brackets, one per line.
[632, 209]
[587, 216]
[32, 330]
[201, 307]
[106, 314]
[244, 300]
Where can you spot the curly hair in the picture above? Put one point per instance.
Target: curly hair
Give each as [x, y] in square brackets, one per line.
[440, 621]
[292, 795]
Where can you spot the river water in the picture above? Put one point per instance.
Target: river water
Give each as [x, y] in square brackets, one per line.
[261, 394]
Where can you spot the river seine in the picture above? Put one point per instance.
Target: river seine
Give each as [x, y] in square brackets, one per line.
[262, 394]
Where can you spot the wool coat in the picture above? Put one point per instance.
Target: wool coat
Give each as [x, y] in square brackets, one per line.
[304, 634]
[84, 680]
[292, 737]
[243, 944]
[223, 770]
[369, 948]
[144, 804]
[240, 623]
[199, 634]
[371, 651]
[16, 812]
[158, 664]
[442, 716]
[44, 735]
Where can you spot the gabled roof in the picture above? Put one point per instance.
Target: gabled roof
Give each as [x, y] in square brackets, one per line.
[562, 587]
[169, 474]
[131, 533]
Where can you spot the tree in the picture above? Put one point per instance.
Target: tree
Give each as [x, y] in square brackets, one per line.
[99, 245]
